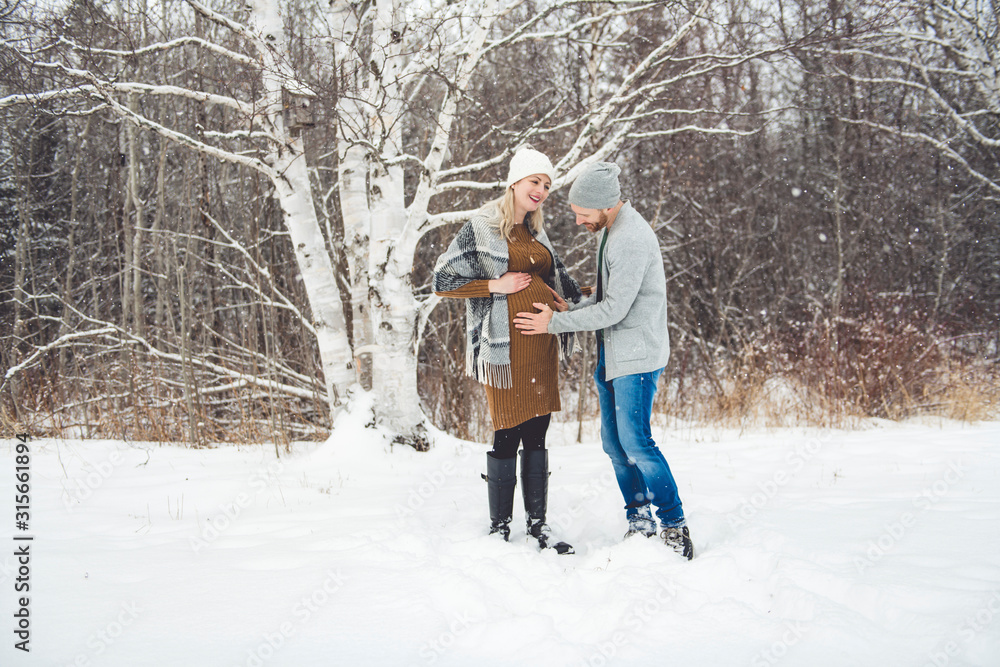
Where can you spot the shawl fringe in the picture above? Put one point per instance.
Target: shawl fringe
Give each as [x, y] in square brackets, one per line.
[494, 375]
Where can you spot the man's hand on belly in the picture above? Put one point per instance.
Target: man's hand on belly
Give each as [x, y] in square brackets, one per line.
[534, 323]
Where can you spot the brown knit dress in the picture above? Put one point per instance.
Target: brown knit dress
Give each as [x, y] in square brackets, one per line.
[534, 359]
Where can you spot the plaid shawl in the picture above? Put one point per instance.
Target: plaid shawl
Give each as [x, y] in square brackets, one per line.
[479, 252]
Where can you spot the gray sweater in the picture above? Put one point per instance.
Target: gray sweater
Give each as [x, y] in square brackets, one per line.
[633, 312]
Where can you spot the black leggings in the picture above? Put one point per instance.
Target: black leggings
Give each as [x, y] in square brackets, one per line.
[531, 433]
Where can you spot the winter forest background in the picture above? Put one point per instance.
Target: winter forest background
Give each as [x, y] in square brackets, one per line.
[217, 220]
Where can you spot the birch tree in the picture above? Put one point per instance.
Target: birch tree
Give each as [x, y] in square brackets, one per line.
[265, 143]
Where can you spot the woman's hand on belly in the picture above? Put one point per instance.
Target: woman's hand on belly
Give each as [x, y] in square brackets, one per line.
[510, 283]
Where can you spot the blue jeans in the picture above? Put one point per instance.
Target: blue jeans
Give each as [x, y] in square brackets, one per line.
[642, 471]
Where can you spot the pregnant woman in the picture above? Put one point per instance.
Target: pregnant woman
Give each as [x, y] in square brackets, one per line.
[501, 262]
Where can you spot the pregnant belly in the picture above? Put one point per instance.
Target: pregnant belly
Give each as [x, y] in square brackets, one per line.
[535, 292]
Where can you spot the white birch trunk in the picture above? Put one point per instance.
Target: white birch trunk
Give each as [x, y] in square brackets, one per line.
[316, 268]
[396, 230]
[353, 190]
[394, 311]
[294, 193]
[393, 306]
[352, 179]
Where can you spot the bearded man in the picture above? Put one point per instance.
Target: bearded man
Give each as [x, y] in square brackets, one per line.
[628, 311]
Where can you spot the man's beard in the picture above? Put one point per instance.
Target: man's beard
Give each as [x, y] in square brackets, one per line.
[602, 222]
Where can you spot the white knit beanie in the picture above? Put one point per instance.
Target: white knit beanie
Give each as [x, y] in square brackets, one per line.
[527, 162]
[597, 187]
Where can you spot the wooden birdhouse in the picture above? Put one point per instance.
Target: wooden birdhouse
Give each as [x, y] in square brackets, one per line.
[298, 111]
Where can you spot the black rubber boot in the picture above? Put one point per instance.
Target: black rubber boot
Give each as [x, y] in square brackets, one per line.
[501, 478]
[535, 489]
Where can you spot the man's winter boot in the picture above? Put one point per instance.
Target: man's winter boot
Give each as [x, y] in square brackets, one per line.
[641, 522]
[501, 478]
[535, 489]
[679, 539]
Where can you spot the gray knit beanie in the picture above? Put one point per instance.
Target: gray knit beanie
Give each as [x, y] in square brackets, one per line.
[597, 186]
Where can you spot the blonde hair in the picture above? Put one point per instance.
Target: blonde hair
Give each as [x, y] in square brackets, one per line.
[500, 214]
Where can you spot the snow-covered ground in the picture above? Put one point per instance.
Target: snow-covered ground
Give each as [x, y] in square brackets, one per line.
[813, 547]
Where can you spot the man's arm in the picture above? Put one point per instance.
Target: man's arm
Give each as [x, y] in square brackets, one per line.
[626, 270]
[622, 290]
